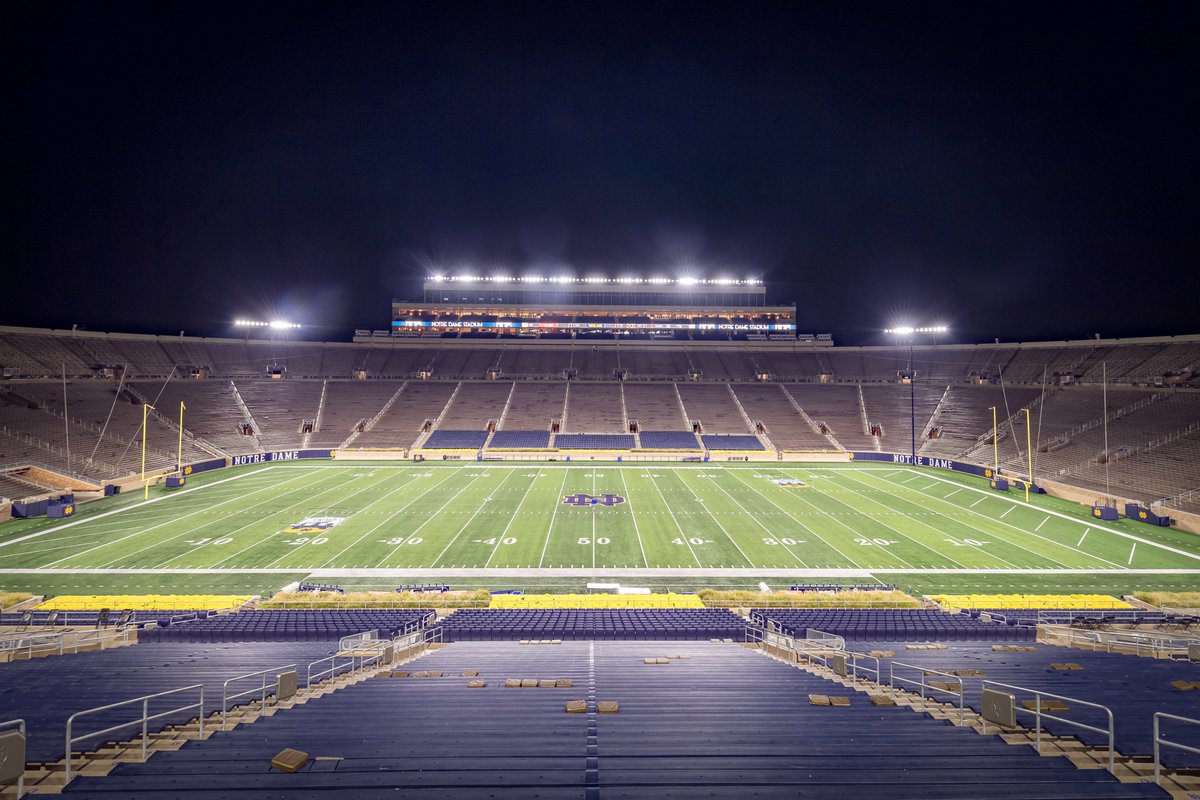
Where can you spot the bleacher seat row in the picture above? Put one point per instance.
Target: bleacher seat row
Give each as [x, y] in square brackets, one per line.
[685, 730]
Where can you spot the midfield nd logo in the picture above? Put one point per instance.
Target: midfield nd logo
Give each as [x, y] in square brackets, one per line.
[580, 499]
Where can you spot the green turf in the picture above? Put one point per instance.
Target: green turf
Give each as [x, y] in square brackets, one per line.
[895, 522]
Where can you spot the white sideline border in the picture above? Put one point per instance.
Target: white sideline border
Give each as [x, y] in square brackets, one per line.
[104, 514]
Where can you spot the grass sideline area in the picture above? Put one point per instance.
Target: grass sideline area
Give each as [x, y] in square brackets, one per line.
[300, 600]
[850, 599]
[1170, 599]
[8, 599]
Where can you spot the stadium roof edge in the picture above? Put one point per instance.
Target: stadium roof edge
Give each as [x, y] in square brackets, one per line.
[475, 343]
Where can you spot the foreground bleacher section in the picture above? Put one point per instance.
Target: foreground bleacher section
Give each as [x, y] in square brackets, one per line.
[895, 625]
[290, 626]
[722, 722]
[1090, 602]
[1133, 688]
[471, 624]
[93, 619]
[45, 692]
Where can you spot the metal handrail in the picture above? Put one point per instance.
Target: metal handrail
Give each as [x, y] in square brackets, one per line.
[355, 639]
[20, 723]
[144, 720]
[854, 657]
[326, 673]
[1152, 642]
[814, 635]
[1158, 740]
[262, 690]
[1039, 715]
[925, 671]
[48, 640]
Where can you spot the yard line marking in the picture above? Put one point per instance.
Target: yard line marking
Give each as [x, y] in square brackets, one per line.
[1005, 514]
[759, 524]
[516, 512]
[632, 513]
[363, 510]
[273, 486]
[1129, 536]
[713, 517]
[910, 480]
[915, 521]
[267, 538]
[1040, 524]
[450, 474]
[1020, 530]
[802, 525]
[674, 519]
[553, 514]
[956, 491]
[86, 520]
[1132, 550]
[977, 502]
[1081, 538]
[435, 514]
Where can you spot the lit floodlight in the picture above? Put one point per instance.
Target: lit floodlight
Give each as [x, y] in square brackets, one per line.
[534, 279]
[501, 278]
[437, 278]
[279, 325]
[563, 279]
[687, 280]
[658, 279]
[902, 330]
[725, 281]
[596, 279]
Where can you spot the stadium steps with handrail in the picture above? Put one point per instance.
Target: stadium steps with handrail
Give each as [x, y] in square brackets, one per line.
[934, 419]
[1003, 426]
[379, 415]
[866, 423]
[320, 418]
[811, 423]
[562, 421]
[750, 426]
[246, 415]
[438, 421]
[504, 411]
[687, 421]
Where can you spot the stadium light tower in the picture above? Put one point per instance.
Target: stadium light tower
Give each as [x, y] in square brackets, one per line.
[910, 333]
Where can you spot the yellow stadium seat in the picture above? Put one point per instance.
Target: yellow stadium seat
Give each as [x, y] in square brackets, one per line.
[144, 602]
[669, 600]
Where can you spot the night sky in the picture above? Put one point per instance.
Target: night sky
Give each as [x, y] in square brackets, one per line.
[1023, 171]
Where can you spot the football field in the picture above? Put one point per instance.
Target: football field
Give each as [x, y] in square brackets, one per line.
[338, 518]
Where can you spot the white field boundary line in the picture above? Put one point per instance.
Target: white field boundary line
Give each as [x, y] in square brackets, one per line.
[674, 519]
[713, 517]
[511, 519]
[865, 496]
[517, 572]
[915, 521]
[754, 517]
[482, 504]
[234, 532]
[1007, 541]
[812, 531]
[450, 474]
[553, 513]
[633, 515]
[185, 533]
[1087, 523]
[102, 515]
[1049, 541]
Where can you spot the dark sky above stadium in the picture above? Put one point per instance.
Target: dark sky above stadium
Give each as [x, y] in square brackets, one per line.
[1019, 171]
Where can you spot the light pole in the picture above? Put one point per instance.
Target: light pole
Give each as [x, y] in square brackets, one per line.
[909, 333]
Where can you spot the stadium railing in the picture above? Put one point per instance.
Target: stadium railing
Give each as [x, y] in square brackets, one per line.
[261, 691]
[1153, 644]
[1159, 741]
[60, 642]
[19, 725]
[1039, 715]
[144, 720]
[927, 686]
